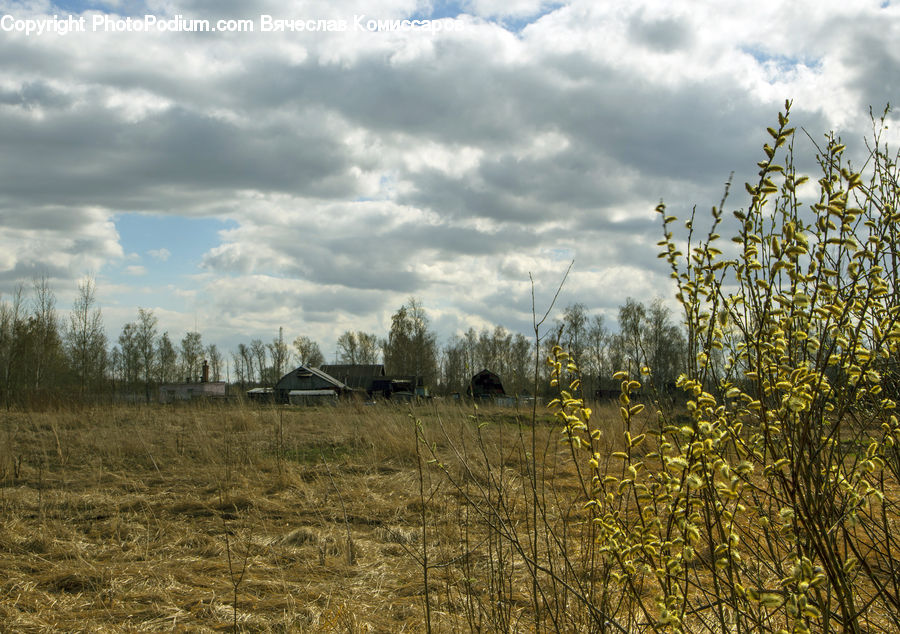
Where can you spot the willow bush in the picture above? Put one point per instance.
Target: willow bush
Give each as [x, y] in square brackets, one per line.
[770, 504]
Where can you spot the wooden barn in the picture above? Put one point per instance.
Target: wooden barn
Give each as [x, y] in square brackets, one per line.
[486, 385]
[305, 385]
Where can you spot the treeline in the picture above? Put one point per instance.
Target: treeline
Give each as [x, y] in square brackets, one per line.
[46, 356]
[42, 356]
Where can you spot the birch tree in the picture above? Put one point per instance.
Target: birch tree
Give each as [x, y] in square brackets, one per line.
[86, 338]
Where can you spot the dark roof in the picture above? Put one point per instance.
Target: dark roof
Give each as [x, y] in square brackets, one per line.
[353, 370]
[486, 383]
[355, 376]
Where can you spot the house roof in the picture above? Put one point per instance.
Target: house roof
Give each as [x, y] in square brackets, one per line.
[354, 370]
[306, 371]
[356, 376]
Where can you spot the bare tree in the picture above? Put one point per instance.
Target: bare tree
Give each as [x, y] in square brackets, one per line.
[492, 350]
[348, 348]
[85, 337]
[308, 351]
[215, 362]
[240, 375]
[648, 338]
[246, 358]
[46, 344]
[10, 325]
[191, 352]
[520, 375]
[631, 331]
[470, 352]
[166, 360]
[145, 339]
[368, 347]
[454, 371]
[498, 350]
[128, 357]
[411, 348]
[358, 348]
[574, 330]
[259, 353]
[595, 362]
[665, 345]
[281, 355]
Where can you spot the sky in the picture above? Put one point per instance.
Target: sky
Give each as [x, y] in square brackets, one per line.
[313, 180]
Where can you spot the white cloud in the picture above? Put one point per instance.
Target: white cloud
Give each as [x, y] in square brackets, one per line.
[54, 240]
[360, 168]
[162, 254]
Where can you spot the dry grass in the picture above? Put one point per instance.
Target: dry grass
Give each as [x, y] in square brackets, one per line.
[115, 519]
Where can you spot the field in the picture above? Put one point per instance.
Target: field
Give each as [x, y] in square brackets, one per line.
[196, 519]
[438, 517]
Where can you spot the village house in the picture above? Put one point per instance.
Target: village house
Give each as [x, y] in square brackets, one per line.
[304, 385]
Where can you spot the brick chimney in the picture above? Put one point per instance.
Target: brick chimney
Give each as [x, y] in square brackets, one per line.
[205, 377]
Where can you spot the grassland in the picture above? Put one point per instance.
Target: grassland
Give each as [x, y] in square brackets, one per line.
[196, 519]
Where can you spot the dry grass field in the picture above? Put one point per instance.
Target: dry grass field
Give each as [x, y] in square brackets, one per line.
[196, 519]
[204, 518]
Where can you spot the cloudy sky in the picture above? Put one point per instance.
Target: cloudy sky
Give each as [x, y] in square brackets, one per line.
[238, 182]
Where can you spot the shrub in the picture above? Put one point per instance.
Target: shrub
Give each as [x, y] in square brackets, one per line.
[769, 507]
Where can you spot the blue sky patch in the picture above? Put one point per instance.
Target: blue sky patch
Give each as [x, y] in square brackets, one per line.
[440, 9]
[443, 9]
[167, 247]
[783, 63]
[128, 7]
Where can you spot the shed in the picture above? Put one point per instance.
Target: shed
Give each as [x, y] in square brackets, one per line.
[486, 384]
[261, 394]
